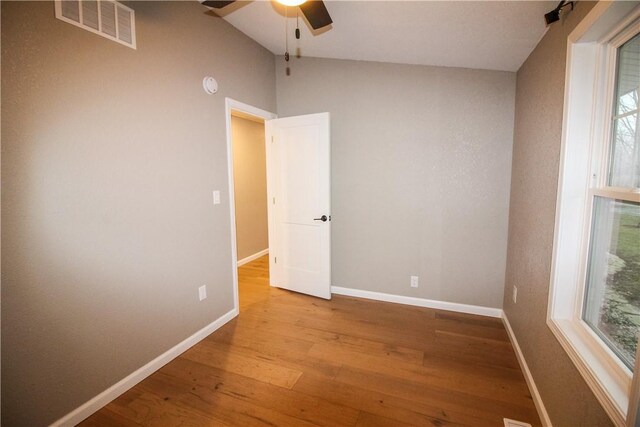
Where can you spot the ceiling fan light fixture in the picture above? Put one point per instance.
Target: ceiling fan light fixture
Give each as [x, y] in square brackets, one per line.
[291, 2]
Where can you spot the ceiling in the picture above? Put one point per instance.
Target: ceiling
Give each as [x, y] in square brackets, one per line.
[494, 35]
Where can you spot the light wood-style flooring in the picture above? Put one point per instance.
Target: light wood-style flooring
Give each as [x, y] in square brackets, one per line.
[293, 360]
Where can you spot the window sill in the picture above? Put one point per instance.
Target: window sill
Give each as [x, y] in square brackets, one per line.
[609, 381]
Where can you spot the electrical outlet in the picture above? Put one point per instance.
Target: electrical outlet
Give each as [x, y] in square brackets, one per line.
[202, 292]
[515, 295]
[216, 197]
[414, 281]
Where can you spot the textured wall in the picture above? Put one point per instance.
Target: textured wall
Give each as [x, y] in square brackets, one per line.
[536, 156]
[109, 158]
[420, 175]
[250, 181]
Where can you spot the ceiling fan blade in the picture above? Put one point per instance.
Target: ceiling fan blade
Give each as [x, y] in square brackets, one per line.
[217, 4]
[316, 13]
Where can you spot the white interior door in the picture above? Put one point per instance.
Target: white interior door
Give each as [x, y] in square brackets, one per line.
[298, 181]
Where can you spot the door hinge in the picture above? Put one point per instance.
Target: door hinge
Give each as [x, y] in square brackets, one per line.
[271, 138]
[275, 259]
[274, 200]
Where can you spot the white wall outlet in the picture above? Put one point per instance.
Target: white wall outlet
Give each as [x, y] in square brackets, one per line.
[202, 292]
[216, 197]
[515, 295]
[414, 281]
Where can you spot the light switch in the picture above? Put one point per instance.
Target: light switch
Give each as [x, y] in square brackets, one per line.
[216, 197]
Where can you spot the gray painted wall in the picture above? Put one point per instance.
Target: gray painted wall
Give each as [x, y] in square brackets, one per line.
[536, 156]
[420, 175]
[109, 158]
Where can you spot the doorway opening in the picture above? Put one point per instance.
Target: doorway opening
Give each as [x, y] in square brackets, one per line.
[298, 164]
[247, 167]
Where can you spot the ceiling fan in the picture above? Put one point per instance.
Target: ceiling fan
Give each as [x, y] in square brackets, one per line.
[314, 10]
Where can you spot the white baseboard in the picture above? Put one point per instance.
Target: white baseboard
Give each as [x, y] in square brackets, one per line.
[537, 399]
[420, 302]
[88, 408]
[250, 258]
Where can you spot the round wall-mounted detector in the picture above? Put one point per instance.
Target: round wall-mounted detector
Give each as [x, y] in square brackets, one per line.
[210, 85]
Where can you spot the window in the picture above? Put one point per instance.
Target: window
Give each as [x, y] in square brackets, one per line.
[612, 297]
[612, 306]
[594, 300]
[625, 152]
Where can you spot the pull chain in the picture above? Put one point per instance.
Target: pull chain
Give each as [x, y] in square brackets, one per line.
[286, 34]
[298, 24]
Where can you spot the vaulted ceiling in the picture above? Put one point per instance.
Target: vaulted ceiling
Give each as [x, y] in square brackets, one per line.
[495, 35]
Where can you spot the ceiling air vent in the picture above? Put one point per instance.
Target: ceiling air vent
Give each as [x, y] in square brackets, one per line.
[107, 18]
[514, 423]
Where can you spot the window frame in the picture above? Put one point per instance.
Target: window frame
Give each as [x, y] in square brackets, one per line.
[584, 167]
[602, 148]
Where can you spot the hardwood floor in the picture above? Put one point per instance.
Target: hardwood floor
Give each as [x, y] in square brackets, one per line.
[293, 360]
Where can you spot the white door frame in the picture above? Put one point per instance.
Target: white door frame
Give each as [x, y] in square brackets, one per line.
[232, 104]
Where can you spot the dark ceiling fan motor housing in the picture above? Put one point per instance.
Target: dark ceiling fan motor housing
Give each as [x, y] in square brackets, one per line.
[314, 10]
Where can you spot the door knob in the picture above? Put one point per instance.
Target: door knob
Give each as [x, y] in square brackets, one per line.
[323, 218]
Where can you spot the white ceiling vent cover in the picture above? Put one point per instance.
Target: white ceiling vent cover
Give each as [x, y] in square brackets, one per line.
[514, 423]
[107, 18]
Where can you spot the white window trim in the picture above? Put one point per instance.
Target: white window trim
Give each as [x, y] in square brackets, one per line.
[588, 95]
